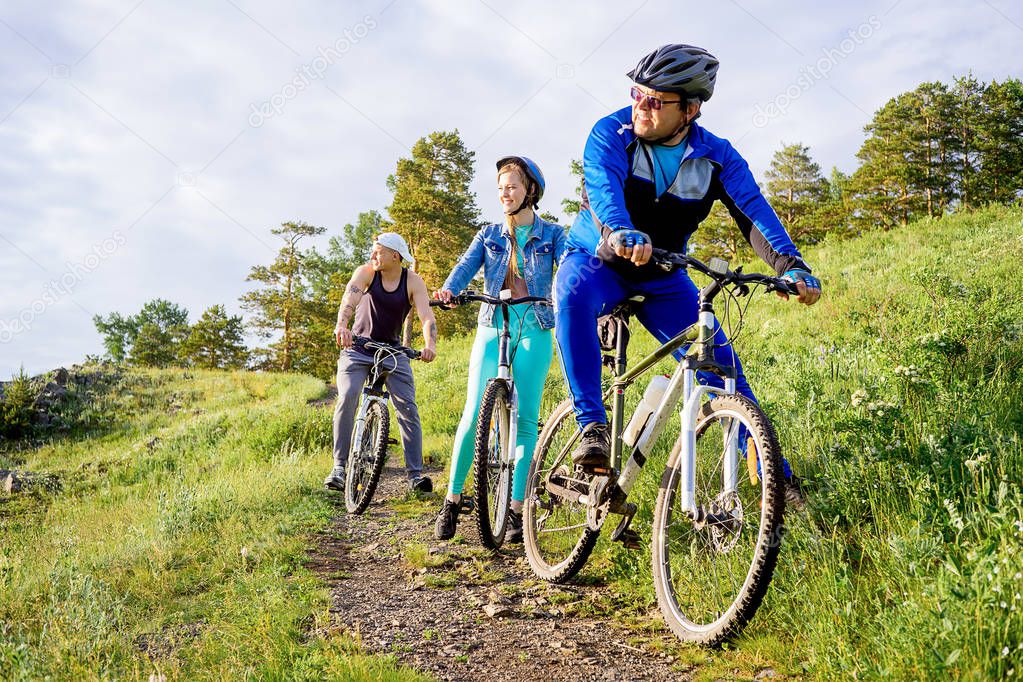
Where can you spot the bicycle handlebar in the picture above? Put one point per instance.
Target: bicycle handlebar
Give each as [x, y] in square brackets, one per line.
[669, 261]
[468, 296]
[371, 345]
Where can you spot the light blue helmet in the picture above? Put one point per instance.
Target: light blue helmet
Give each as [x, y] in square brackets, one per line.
[532, 170]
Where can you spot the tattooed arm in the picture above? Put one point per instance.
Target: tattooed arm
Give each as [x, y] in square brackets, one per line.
[354, 291]
[421, 300]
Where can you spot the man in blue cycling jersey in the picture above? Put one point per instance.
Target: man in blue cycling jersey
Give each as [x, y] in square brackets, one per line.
[650, 177]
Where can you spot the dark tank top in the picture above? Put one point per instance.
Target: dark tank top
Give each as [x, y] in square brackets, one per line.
[382, 313]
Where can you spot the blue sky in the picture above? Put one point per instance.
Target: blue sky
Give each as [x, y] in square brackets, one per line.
[147, 148]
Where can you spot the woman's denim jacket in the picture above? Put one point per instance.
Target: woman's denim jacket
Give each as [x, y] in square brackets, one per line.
[491, 250]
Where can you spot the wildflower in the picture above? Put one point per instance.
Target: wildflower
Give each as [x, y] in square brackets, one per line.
[858, 397]
[1005, 651]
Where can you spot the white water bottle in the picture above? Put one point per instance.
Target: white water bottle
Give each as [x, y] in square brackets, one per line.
[651, 399]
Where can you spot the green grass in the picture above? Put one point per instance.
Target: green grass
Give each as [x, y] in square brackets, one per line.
[178, 542]
[177, 545]
[899, 398]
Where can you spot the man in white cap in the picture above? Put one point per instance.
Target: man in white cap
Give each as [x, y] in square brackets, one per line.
[380, 296]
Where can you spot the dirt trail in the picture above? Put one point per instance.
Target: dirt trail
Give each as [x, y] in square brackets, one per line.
[429, 603]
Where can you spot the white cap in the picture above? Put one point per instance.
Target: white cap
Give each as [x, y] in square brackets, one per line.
[393, 240]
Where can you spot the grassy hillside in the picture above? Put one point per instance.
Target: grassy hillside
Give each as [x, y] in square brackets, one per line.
[177, 543]
[898, 397]
[178, 540]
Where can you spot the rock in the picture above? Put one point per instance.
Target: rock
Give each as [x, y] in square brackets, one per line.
[497, 611]
[12, 481]
[496, 597]
[61, 376]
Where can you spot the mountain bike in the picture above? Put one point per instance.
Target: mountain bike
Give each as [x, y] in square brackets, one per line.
[717, 524]
[372, 423]
[496, 429]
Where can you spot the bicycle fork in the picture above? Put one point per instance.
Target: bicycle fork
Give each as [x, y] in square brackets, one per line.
[504, 374]
[360, 421]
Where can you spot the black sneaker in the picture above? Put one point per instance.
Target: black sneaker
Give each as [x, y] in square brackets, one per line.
[447, 520]
[594, 450]
[335, 480]
[423, 484]
[514, 533]
[794, 496]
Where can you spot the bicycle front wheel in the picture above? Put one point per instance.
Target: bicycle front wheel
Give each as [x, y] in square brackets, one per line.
[555, 533]
[492, 464]
[366, 460]
[712, 566]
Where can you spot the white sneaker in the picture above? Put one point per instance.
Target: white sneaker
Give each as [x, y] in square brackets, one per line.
[336, 479]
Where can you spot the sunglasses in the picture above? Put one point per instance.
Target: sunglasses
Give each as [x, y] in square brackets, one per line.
[653, 102]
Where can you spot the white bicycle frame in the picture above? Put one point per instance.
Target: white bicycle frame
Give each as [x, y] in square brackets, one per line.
[683, 386]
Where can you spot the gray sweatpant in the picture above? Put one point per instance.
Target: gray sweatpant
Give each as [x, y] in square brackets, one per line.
[353, 368]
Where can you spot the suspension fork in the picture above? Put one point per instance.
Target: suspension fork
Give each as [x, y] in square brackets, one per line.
[504, 374]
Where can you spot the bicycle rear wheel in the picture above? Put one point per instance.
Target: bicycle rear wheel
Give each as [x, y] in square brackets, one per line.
[556, 536]
[366, 460]
[492, 464]
[711, 572]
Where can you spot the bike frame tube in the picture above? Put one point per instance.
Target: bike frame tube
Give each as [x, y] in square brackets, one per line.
[681, 386]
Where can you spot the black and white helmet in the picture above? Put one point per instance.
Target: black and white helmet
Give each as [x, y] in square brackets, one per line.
[684, 69]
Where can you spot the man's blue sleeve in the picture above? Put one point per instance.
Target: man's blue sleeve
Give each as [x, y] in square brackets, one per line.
[755, 217]
[605, 167]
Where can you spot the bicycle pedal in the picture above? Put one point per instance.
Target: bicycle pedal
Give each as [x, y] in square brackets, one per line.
[594, 471]
[630, 539]
[392, 441]
[466, 506]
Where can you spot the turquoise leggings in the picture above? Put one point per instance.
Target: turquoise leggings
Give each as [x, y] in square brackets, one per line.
[531, 359]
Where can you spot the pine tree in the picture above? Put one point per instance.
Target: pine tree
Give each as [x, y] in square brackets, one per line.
[1000, 142]
[149, 338]
[358, 238]
[159, 329]
[886, 185]
[834, 214]
[435, 211]
[968, 93]
[278, 304]
[215, 341]
[795, 189]
[571, 207]
[718, 235]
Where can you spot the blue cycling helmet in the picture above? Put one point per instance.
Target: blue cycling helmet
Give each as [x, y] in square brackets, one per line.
[533, 171]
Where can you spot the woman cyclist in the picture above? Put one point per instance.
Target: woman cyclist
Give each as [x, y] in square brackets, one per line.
[519, 254]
